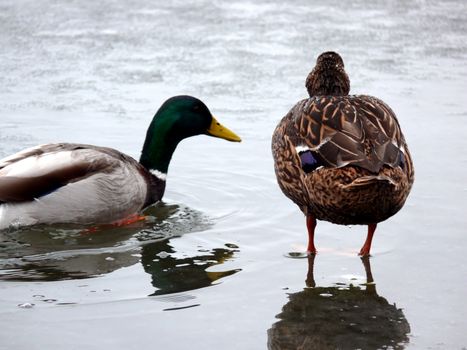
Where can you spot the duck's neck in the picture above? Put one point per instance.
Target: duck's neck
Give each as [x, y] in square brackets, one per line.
[328, 82]
[158, 148]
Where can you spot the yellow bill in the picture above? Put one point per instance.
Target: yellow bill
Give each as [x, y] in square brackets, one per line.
[216, 129]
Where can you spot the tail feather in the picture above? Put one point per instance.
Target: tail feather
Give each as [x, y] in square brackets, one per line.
[371, 180]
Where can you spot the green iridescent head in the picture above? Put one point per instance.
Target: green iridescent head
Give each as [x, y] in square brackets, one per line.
[178, 118]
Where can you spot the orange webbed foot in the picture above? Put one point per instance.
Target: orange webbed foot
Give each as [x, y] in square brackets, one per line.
[119, 223]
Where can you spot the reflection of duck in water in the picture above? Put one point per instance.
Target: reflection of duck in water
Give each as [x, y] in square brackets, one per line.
[338, 318]
[42, 254]
[171, 274]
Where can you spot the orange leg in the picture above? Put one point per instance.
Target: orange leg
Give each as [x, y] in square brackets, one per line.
[129, 220]
[119, 223]
[365, 251]
[310, 277]
[311, 225]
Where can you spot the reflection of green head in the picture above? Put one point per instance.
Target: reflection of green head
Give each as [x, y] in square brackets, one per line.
[172, 275]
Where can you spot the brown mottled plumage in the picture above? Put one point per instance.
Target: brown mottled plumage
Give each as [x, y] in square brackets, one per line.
[341, 158]
[328, 77]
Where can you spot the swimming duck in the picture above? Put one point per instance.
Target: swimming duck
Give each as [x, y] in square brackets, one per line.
[86, 184]
[341, 158]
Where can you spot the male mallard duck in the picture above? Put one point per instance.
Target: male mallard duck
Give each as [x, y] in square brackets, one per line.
[84, 184]
[341, 158]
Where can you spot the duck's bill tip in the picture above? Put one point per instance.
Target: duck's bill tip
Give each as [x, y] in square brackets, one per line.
[216, 129]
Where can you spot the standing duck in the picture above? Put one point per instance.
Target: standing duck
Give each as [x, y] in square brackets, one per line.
[341, 158]
[85, 184]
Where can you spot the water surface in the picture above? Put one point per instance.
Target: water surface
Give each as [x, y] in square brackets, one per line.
[210, 269]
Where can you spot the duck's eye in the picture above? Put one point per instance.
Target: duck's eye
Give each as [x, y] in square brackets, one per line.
[196, 108]
[309, 161]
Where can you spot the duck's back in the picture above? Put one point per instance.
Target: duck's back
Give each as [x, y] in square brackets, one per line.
[358, 136]
[342, 130]
[72, 183]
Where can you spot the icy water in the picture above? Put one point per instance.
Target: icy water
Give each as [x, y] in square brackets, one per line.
[211, 267]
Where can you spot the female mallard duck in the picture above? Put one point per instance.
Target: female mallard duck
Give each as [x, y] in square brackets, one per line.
[84, 184]
[339, 157]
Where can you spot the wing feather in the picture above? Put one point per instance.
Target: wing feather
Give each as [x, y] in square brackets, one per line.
[35, 172]
[359, 130]
[343, 130]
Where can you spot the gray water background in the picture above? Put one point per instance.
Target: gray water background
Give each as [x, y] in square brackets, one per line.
[95, 72]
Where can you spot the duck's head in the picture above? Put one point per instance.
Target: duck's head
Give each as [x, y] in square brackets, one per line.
[328, 77]
[178, 118]
[184, 116]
